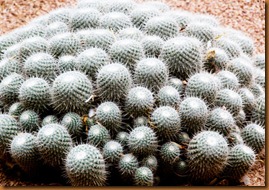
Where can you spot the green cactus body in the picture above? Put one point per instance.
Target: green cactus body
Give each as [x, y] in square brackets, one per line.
[122, 137]
[240, 119]
[257, 90]
[259, 60]
[258, 113]
[150, 162]
[139, 101]
[130, 33]
[231, 48]
[193, 114]
[168, 96]
[112, 151]
[248, 99]
[180, 168]
[124, 6]
[60, 15]
[16, 109]
[6, 41]
[34, 94]
[202, 31]
[207, 155]
[67, 63]
[13, 52]
[183, 18]
[85, 166]
[8, 66]
[73, 123]
[259, 76]
[228, 80]
[30, 121]
[254, 137]
[166, 121]
[182, 56]
[113, 82]
[70, 90]
[56, 28]
[151, 73]
[169, 152]
[152, 46]
[127, 165]
[98, 135]
[143, 177]
[177, 84]
[49, 119]
[53, 142]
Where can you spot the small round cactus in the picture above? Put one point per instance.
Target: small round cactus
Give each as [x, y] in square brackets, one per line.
[193, 114]
[49, 119]
[202, 31]
[248, 99]
[23, 150]
[67, 63]
[166, 122]
[206, 18]
[53, 142]
[257, 90]
[143, 177]
[183, 18]
[8, 66]
[220, 120]
[128, 164]
[180, 168]
[112, 151]
[113, 82]
[259, 76]
[177, 84]
[228, 80]
[73, 123]
[109, 115]
[34, 94]
[115, 21]
[9, 128]
[85, 166]
[215, 59]
[258, 113]
[16, 109]
[254, 136]
[139, 101]
[182, 56]
[98, 135]
[168, 96]
[161, 26]
[55, 28]
[240, 119]
[151, 73]
[161, 6]
[9, 88]
[231, 48]
[240, 159]
[259, 61]
[152, 46]
[207, 155]
[204, 86]
[91, 60]
[61, 15]
[130, 33]
[230, 99]
[124, 6]
[122, 137]
[30, 121]
[70, 91]
[170, 152]
[142, 141]
[151, 162]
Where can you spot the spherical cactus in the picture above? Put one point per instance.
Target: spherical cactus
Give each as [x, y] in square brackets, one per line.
[169, 152]
[177, 84]
[161, 6]
[127, 165]
[91, 60]
[53, 142]
[215, 59]
[231, 48]
[202, 31]
[180, 168]
[109, 115]
[41, 65]
[8, 66]
[9, 88]
[143, 177]
[29, 120]
[230, 99]
[140, 121]
[243, 70]
[98, 135]
[90, 4]
[56, 28]
[259, 76]
[258, 113]
[206, 18]
[207, 155]
[139, 101]
[98, 38]
[13, 52]
[235, 139]
[248, 99]
[204, 86]
[257, 90]
[60, 15]
[32, 30]
[23, 150]
[33, 45]
[6, 41]
[130, 33]
[124, 6]
[16, 109]
[168, 96]
[115, 21]
[182, 55]
[126, 51]
[259, 61]
[85, 166]
[152, 46]
[142, 14]
[34, 94]
[254, 137]
[228, 80]
[73, 123]
[166, 121]
[113, 82]
[142, 141]
[161, 26]
[67, 63]
[151, 73]
[240, 119]
[220, 120]
[9, 128]
[112, 151]
[193, 114]
[64, 44]
[70, 90]
[150, 162]
[50, 119]
[240, 159]
[85, 18]
[183, 18]
[122, 137]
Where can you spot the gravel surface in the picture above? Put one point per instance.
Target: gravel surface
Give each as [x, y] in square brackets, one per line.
[245, 15]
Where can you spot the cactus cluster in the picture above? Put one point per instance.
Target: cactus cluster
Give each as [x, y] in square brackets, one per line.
[116, 92]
